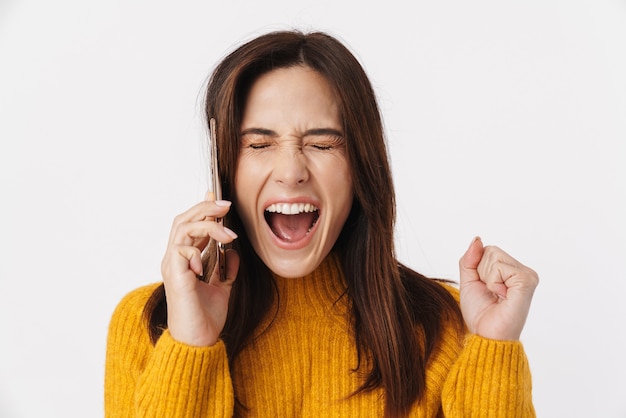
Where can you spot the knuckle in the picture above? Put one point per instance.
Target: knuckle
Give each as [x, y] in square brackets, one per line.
[490, 249]
[178, 219]
[533, 276]
[178, 230]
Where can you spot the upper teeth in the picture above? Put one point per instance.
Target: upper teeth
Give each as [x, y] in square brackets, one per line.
[291, 208]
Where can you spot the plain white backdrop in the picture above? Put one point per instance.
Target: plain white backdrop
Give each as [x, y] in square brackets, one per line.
[504, 119]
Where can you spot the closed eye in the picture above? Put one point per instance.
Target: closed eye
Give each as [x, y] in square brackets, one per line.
[257, 138]
[259, 145]
[325, 140]
[322, 147]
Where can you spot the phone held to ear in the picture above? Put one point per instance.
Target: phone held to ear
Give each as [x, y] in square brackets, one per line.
[216, 188]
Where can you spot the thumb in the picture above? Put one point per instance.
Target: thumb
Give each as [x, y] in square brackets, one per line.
[232, 265]
[468, 264]
[232, 268]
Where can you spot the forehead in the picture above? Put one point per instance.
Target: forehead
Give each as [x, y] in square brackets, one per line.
[298, 93]
[301, 76]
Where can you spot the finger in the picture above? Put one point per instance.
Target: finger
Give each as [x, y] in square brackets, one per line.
[197, 233]
[468, 264]
[203, 211]
[494, 275]
[180, 259]
[232, 265]
[495, 254]
[502, 276]
[495, 268]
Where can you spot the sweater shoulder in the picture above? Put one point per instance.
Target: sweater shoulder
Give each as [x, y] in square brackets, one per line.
[133, 303]
[127, 318]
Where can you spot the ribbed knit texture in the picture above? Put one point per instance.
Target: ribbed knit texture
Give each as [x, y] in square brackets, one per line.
[301, 364]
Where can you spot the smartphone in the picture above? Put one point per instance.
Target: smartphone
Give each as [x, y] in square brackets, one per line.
[216, 188]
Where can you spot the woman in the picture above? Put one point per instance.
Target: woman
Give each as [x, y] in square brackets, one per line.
[316, 317]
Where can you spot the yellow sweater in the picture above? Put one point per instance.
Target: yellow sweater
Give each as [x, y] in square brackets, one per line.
[302, 366]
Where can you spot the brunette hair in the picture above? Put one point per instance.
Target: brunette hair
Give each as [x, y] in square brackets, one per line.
[397, 313]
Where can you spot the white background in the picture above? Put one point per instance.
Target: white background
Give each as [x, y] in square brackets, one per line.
[504, 119]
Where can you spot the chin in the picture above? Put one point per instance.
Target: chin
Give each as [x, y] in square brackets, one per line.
[293, 265]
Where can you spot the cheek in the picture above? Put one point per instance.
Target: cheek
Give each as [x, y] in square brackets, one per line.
[345, 198]
[339, 184]
[339, 178]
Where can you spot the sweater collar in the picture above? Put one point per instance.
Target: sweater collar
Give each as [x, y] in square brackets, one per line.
[318, 294]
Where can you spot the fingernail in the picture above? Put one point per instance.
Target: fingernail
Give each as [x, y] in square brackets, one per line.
[230, 232]
[224, 203]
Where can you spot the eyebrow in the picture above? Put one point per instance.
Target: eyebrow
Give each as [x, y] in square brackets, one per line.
[310, 132]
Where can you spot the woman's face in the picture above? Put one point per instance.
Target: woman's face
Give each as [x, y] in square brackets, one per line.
[293, 184]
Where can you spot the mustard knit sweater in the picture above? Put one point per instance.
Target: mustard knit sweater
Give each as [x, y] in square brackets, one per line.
[301, 366]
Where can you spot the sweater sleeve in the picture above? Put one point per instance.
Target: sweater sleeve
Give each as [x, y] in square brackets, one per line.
[165, 380]
[489, 379]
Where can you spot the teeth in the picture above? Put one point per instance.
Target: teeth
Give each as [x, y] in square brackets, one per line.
[291, 208]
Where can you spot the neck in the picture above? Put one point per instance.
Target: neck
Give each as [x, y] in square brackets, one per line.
[318, 294]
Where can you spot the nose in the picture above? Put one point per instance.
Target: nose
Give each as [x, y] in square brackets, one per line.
[290, 167]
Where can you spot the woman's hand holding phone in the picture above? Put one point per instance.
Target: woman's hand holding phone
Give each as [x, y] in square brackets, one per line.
[197, 310]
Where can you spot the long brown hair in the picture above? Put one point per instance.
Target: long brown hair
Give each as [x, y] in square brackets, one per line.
[397, 313]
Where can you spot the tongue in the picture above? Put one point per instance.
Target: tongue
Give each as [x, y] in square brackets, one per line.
[291, 228]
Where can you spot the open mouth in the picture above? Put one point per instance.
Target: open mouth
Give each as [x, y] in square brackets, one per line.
[291, 222]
